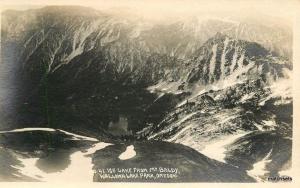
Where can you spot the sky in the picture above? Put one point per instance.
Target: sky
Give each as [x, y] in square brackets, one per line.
[157, 8]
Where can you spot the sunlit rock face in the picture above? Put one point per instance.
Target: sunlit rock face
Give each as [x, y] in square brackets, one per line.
[214, 85]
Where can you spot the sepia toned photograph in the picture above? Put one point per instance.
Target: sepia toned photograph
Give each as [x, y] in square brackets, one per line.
[147, 91]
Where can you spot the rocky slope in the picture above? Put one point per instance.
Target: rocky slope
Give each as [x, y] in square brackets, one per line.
[247, 97]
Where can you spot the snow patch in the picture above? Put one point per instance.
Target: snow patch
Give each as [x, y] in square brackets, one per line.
[178, 123]
[79, 170]
[128, 153]
[228, 81]
[213, 62]
[281, 89]
[259, 168]
[234, 60]
[29, 129]
[223, 58]
[79, 137]
[247, 97]
[165, 87]
[185, 128]
[269, 123]
[287, 172]
[218, 149]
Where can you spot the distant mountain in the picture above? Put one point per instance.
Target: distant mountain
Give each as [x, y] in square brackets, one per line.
[62, 44]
